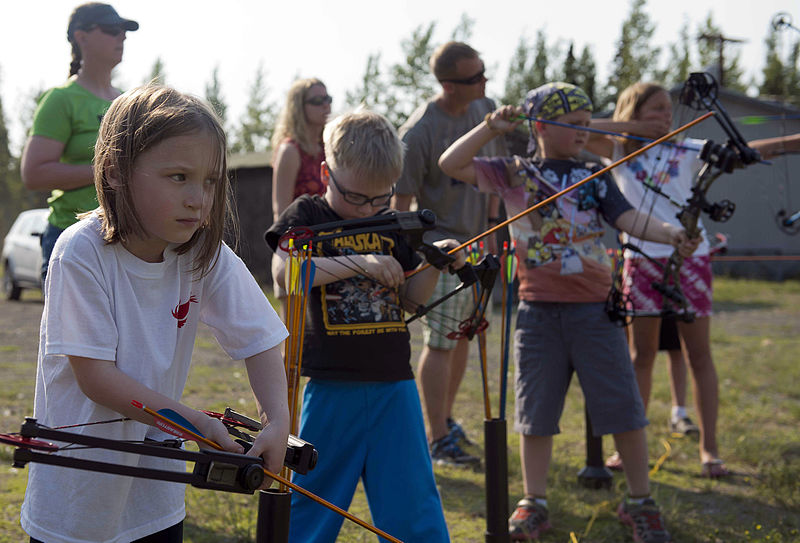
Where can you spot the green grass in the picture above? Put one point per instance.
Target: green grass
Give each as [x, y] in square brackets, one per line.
[755, 342]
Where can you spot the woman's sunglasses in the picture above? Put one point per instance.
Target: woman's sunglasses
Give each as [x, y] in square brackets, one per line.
[111, 30]
[319, 100]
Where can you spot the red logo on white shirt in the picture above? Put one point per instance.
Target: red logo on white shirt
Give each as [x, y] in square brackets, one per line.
[182, 310]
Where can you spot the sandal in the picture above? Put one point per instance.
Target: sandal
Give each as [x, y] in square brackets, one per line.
[614, 462]
[714, 469]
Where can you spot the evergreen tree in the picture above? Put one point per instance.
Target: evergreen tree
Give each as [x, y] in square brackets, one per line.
[411, 80]
[793, 75]
[570, 71]
[709, 52]
[517, 83]
[157, 74]
[373, 92]
[680, 61]
[586, 76]
[258, 120]
[525, 74]
[463, 30]
[214, 95]
[634, 56]
[539, 70]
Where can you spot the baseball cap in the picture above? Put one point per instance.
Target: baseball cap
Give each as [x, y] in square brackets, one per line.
[95, 13]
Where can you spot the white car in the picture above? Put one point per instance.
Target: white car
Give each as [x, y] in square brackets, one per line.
[22, 253]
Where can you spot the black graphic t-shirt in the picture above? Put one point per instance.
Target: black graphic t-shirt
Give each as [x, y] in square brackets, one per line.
[354, 329]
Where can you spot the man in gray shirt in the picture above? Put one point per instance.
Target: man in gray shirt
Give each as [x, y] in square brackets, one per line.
[462, 212]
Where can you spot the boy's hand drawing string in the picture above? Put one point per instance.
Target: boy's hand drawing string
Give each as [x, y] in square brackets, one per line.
[580, 183]
[481, 273]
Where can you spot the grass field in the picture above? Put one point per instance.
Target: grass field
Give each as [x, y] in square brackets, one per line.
[755, 340]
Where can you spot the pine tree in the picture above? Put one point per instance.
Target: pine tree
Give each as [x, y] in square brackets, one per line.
[258, 120]
[411, 80]
[680, 61]
[587, 76]
[539, 72]
[570, 72]
[463, 30]
[214, 95]
[634, 56]
[517, 77]
[373, 89]
[709, 52]
[157, 74]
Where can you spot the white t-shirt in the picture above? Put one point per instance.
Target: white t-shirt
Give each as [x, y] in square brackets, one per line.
[104, 303]
[674, 171]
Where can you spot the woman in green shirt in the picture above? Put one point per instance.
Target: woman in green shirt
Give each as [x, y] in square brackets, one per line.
[58, 154]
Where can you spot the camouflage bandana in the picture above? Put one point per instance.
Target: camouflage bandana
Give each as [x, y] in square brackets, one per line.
[552, 100]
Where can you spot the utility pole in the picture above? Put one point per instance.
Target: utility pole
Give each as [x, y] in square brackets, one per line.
[721, 41]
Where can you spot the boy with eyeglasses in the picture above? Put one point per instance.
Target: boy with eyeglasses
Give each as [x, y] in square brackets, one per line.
[360, 406]
[462, 212]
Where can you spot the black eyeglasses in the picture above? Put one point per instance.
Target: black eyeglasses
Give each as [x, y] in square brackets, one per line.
[358, 199]
[319, 100]
[111, 30]
[479, 77]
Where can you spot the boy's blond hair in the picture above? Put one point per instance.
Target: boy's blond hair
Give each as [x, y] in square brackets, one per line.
[365, 144]
[444, 59]
[292, 119]
[137, 121]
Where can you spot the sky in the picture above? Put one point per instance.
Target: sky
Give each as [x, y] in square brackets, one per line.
[332, 40]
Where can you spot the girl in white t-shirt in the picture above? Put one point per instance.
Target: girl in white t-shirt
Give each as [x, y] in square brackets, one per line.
[645, 109]
[128, 285]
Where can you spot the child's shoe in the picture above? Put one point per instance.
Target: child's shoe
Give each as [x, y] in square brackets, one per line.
[684, 427]
[457, 432]
[446, 452]
[529, 520]
[645, 519]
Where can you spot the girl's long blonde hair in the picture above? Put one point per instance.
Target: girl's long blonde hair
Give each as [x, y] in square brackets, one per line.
[292, 119]
[630, 102]
[137, 121]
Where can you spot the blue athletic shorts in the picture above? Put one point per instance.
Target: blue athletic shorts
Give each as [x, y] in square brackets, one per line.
[374, 432]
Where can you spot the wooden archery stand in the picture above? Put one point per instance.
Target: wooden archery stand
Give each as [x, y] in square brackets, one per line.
[595, 474]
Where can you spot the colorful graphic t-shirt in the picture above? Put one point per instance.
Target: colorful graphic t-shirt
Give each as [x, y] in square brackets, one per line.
[671, 169]
[355, 329]
[560, 255]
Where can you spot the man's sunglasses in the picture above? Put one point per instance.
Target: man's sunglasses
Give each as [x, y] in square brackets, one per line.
[319, 100]
[111, 30]
[358, 199]
[479, 77]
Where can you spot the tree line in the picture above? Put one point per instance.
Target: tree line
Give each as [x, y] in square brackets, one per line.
[397, 89]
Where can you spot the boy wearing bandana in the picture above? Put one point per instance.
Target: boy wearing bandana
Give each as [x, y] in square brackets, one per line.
[565, 275]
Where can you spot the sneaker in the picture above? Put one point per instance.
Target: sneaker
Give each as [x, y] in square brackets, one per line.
[529, 521]
[457, 432]
[684, 427]
[645, 519]
[446, 452]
